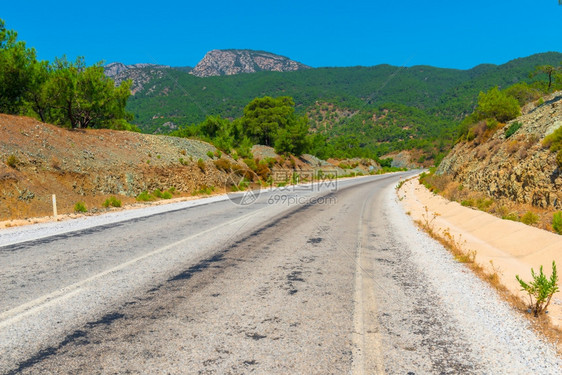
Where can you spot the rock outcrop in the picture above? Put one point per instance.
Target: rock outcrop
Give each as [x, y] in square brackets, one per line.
[519, 167]
[139, 74]
[235, 61]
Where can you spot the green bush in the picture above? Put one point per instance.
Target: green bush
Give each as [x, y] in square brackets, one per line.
[483, 204]
[498, 105]
[145, 196]
[112, 202]
[512, 129]
[12, 161]
[251, 163]
[511, 216]
[210, 154]
[540, 290]
[529, 218]
[554, 140]
[557, 222]
[467, 203]
[80, 207]
[166, 195]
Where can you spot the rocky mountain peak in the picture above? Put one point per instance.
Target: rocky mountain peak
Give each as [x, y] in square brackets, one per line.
[236, 61]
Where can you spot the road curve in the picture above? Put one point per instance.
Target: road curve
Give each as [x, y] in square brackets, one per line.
[323, 280]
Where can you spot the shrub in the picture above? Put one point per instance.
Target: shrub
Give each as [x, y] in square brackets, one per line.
[223, 165]
[529, 218]
[201, 165]
[523, 93]
[554, 140]
[218, 154]
[210, 154]
[540, 102]
[512, 129]
[80, 207]
[511, 216]
[540, 290]
[251, 163]
[112, 202]
[484, 204]
[559, 159]
[467, 203]
[557, 222]
[145, 196]
[498, 105]
[12, 161]
[166, 195]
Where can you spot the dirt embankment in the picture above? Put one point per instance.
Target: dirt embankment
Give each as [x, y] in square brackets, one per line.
[39, 160]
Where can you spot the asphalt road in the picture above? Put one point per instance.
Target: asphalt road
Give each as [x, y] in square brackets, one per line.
[303, 281]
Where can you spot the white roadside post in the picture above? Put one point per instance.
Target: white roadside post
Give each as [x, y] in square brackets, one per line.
[55, 206]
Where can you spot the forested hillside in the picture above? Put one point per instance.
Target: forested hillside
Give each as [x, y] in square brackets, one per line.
[386, 108]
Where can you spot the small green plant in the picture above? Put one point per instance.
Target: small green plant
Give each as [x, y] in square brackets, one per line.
[512, 129]
[12, 161]
[218, 154]
[80, 207]
[251, 163]
[540, 102]
[557, 222]
[540, 290]
[529, 218]
[145, 196]
[157, 193]
[511, 216]
[210, 154]
[112, 202]
[166, 195]
[158, 156]
[467, 203]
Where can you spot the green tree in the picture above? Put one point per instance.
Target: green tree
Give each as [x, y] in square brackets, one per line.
[549, 70]
[16, 62]
[263, 117]
[496, 104]
[293, 139]
[84, 97]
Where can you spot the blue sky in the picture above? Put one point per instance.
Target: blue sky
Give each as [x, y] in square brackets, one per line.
[453, 34]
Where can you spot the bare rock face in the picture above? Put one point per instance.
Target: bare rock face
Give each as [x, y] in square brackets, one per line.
[233, 61]
[519, 167]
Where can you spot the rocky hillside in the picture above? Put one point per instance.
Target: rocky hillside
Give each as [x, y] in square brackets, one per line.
[516, 166]
[38, 160]
[139, 74]
[236, 61]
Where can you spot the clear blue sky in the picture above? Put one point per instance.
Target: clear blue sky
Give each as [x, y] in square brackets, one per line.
[454, 34]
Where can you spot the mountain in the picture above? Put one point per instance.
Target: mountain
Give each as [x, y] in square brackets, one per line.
[236, 61]
[378, 109]
[115, 69]
[139, 74]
